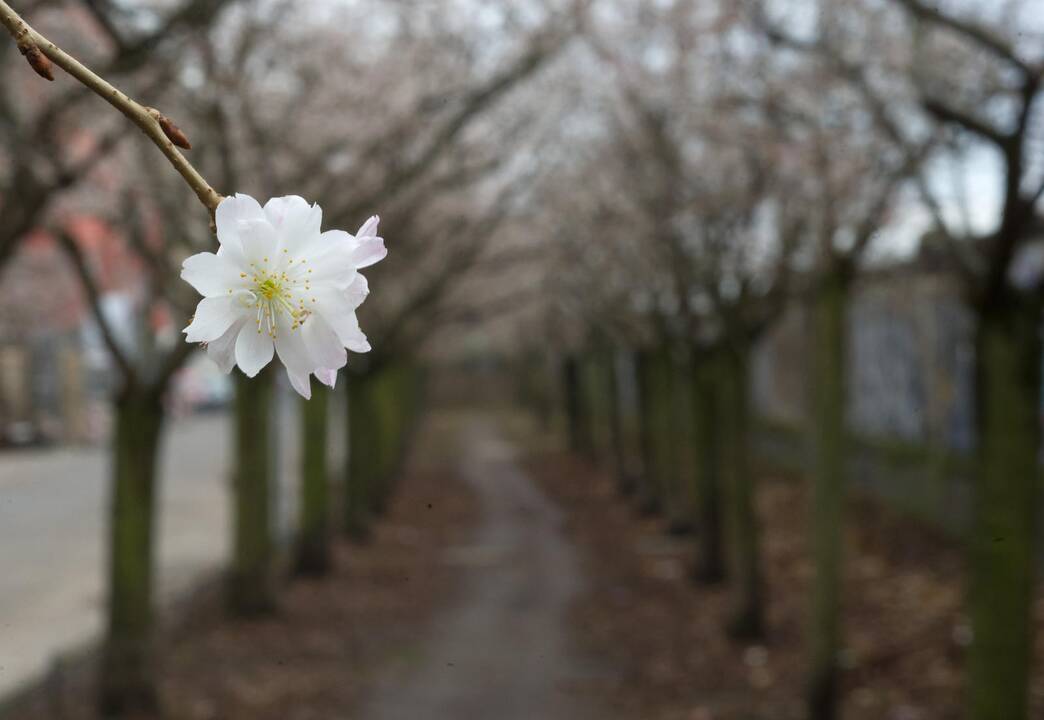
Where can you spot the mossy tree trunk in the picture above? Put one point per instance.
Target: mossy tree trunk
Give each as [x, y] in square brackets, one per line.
[648, 496]
[828, 492]
[747, 622]
[1003, 540]
[393, 399]
[597, 393]
[677, 446]
[710, 549]
[313, 535]
[128, 683]
[663, 391]
[576, 419]
[251, 582]
[363, 456]
[618, 444]
[628, 403]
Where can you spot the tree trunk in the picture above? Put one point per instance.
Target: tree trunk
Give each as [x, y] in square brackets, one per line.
[313, 540]
[128, 684]
[649, 501]
[617, 432]
[251, 588]
[710, 560]
[828, 491]
[1002, 544]
[678, 427]
[363, 456]
[591, 390]
[747, 622]
[630, 417]
[391, 399]
[579, 429]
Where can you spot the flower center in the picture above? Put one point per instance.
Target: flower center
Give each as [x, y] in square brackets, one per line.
[269, 288]
[275, 293]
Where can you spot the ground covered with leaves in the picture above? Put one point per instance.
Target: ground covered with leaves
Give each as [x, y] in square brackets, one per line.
[905, 634]
[331, 640]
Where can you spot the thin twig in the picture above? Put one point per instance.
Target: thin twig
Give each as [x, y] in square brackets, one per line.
[156, 126]
[90, 287]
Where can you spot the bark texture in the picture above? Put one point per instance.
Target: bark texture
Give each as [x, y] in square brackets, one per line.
[747, 621]
[251, 582]
[313, 537]
[828, 492]
[579, 428]
[710, 547]
[363, 456]
[128, 683]
[1003, 541]
[649, 497]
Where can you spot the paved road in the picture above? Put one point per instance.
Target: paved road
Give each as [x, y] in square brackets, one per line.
[504, 650]
[53, 536]
[52, 539]
[53, 532]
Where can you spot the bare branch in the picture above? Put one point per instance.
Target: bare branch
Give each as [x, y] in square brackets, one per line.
[948, 114]
[979, 35]
[148, 119]
[541, 51]
[90, 289]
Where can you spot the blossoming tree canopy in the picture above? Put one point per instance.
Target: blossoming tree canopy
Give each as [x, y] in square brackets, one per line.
[278, 284]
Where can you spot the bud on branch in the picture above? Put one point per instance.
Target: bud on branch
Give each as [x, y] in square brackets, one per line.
[172, 131]
[37, 60]
[41, 52]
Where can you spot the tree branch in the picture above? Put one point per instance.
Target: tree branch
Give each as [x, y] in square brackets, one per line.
[156, 126]
[542, 50]
[90, 289]
[976, 33]
[946, 113]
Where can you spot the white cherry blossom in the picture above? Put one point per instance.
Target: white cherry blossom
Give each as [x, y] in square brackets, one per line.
[278, 285]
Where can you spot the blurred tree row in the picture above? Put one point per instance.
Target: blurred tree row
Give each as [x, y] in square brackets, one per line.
[647, 200]
[740, 157]
[401, 109]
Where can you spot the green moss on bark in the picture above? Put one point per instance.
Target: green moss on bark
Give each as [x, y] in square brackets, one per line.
[363, 456]
[709, 565]
[1002, 546]
[313, 536]
[127, 683]
[828, 491]
[747, 622]
[251, 581]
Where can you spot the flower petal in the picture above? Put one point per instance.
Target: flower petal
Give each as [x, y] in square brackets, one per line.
[292, 351]
[370, 251]
[223, 350]
[294, 219]
[212, 274]
[357, 291]
[346, 325]
[253, 350]
[327, 376]
[215, 315]
[369, 228]
[230, 212]
[364, 251]
[335, 265]
[301, 382]
[260, 244]
[323, 345]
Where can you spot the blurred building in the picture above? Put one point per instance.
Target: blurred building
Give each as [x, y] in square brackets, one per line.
[54, 371]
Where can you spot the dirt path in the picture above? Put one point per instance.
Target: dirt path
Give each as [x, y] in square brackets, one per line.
[503, 650]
